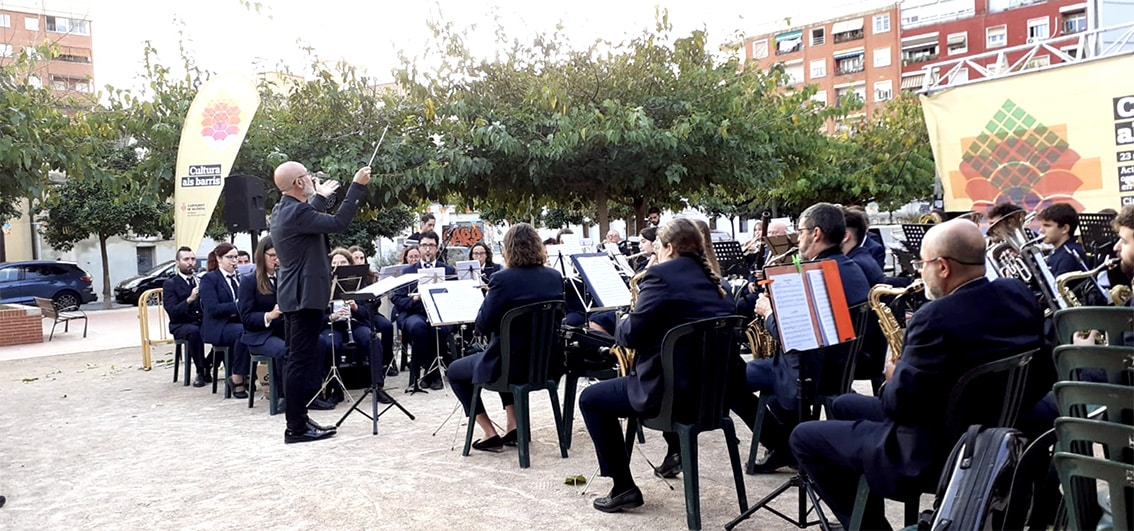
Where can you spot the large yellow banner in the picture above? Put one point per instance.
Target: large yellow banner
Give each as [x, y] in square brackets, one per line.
[1064, 135]
[214, 129]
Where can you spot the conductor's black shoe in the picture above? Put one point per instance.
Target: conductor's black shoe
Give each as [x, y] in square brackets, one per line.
[321, 405]
[773, 461]
[670, 467]
[627, 499]
[199, 381]
[315, 425]
[310, 434]
[382, 397]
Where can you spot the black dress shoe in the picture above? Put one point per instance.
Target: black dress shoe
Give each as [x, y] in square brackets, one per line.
[670, 467]
[310, 434]
[509, 439]
[242, 393]
[321, 405]
[491, 444]
[206, 376]
[392, 371]
[437, 384]
[383, 398]
[315, 425]
[199, 381]
[773, 461]
[627, 499]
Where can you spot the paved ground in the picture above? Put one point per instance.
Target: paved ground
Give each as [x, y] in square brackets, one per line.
[92, 441]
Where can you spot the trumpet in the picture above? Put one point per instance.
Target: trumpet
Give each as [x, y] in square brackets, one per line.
[886, 319]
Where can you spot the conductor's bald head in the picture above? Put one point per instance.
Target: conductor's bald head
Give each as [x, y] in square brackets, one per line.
[293, 179]
[952, 253]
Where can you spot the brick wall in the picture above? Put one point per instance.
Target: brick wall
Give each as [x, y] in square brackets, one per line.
[20, 325]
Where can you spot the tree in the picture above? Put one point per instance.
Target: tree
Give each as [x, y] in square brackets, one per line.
[894, 157]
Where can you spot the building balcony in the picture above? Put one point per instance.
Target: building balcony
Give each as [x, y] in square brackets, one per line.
[848, 36]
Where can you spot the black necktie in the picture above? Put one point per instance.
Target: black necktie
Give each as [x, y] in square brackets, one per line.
[235, 288]
[273, 284]
[191, 283]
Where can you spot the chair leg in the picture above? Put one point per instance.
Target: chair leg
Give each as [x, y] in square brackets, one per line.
[472, 419]
[188, 362]
[251, 394]
[213, 355]
[52, 336]
[523, 425]
[551, 389]
[273, 389]
[84, 328]
[227, 375]
[761, 408]
[571, 384]
[912, 507]
[860, 498]
[177, 362]
[689, 473]
[734, 456]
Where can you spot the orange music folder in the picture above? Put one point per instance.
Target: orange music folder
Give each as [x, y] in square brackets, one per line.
[810, 306]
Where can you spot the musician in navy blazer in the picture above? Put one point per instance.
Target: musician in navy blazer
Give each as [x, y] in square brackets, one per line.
[221, 324]
[299, 229]
[679, 289]
[181, 299]
[259, 311]
[897, 440]
[411, 313]
[821, 230]
[525, 280]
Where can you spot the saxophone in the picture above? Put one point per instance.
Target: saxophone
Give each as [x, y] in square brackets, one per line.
[1063, 281]
[886, 318]
[624, 355]
[761, 342]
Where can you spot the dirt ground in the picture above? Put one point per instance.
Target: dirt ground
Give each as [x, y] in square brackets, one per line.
[92, 441]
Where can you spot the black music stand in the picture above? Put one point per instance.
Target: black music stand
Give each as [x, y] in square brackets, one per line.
[731, 258]
[914, 233]
[344, 279]
[1097, 236]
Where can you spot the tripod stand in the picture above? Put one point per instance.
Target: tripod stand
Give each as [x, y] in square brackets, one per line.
[804, 403]
[375, 390]
[344, 279]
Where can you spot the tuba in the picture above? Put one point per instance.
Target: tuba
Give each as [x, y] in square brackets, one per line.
[1010, 231]
[886, 319]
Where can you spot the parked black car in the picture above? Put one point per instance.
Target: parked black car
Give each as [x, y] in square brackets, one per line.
[128, 291]
[65, 283]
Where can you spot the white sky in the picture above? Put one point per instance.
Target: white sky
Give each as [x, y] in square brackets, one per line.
[222, 35]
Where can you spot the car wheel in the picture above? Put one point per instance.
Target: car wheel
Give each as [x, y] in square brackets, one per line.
[66, 300]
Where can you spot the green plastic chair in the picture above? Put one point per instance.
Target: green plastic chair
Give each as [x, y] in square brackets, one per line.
[1117, 440]
[222, 351]
[710, 345]
[181, 349]
[1079, 475]
[1116, 362]
[520, 379]
[273, 389]
[1075, 398]
[1112, 320]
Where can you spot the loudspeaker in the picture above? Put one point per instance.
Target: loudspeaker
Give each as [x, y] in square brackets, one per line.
[244, 204]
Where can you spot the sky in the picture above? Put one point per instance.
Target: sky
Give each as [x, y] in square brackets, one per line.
[225, 35]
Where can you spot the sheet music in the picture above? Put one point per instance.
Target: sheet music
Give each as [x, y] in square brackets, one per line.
[469, 270]
[793, 317]
[571, 244]
[391, 271]
[587, 244]
[431, 275]
[554, 252]
[823, 309]
[452, 302]
[385, 286]
[603, 281]
[623, 263]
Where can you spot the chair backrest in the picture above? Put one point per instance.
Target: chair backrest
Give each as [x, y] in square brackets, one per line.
[860, 316]
[1115, 363]
[1075, 398]
[1112, 320]
[1078, 474]
[154, 322]
[969, 401]
[527, 336]
[47, 307]
[707, 347]
[1116, 439]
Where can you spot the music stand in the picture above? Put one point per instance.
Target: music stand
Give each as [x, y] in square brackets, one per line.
[1097, 236]
[914, 233]
[731, 258]
[344, 279]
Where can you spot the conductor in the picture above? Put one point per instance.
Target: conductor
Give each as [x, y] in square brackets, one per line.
[298, 227]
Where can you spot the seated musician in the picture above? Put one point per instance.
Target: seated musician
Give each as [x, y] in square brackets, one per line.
[480, 252]
[412, 313]
[221, 324]
[1059, 222]
[181, 299]
[645, 249]
[340, 335]
[1124, 248]
[873, 354]
[855, 247]
[409, 255]
[821, 230]
[871, 242]
[680, 288]
[428, 221]
[525, 280]
[378, 322]
[896, 439]
[262, 318]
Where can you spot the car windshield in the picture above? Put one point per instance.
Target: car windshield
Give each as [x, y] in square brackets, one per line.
[165, 267]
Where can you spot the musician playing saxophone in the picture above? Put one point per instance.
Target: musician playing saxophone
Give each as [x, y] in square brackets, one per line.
[1059, 222]
[680, 288]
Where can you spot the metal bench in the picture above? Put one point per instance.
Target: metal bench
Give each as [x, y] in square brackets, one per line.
[57, 316]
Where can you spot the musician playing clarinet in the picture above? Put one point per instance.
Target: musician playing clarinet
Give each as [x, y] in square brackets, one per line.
[412, 313]
[524, 280]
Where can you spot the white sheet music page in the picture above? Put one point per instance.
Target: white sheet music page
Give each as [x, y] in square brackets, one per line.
[823, 309]
[793, 316]
[607, 286]
[431, 275]
[571, 244]
[469, 270]
[459, 303]
[389, 284]
[428, 295]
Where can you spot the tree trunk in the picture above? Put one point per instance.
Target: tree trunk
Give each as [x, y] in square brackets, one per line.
[107, 301]
[603, 214]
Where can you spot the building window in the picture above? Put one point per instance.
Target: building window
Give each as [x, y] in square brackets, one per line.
[68, 25]
[1075, 22]
[5, 20]
[5, 50]
[1038, 61]
[920, 49]
[881, 57]
[883, 90]
[818, 68]
[1071, 51]
[72, 84]
[72, 58]
[996, 36]
[882, 23]
[957, 43]
[794, 73]
[960, 76]
[847, 95]
[759, 49]
[35, 82]
[31, 23]
[818, 36]
[789, 42]
[850, 63]
[847, 30]
[820, 97]
[31, 53]
[1038, 29]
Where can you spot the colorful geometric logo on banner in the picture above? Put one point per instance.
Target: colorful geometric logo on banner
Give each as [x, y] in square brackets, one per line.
[220, 120]
[1019, 159]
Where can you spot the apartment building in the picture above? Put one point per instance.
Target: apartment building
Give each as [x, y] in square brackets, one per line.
[65, 25]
